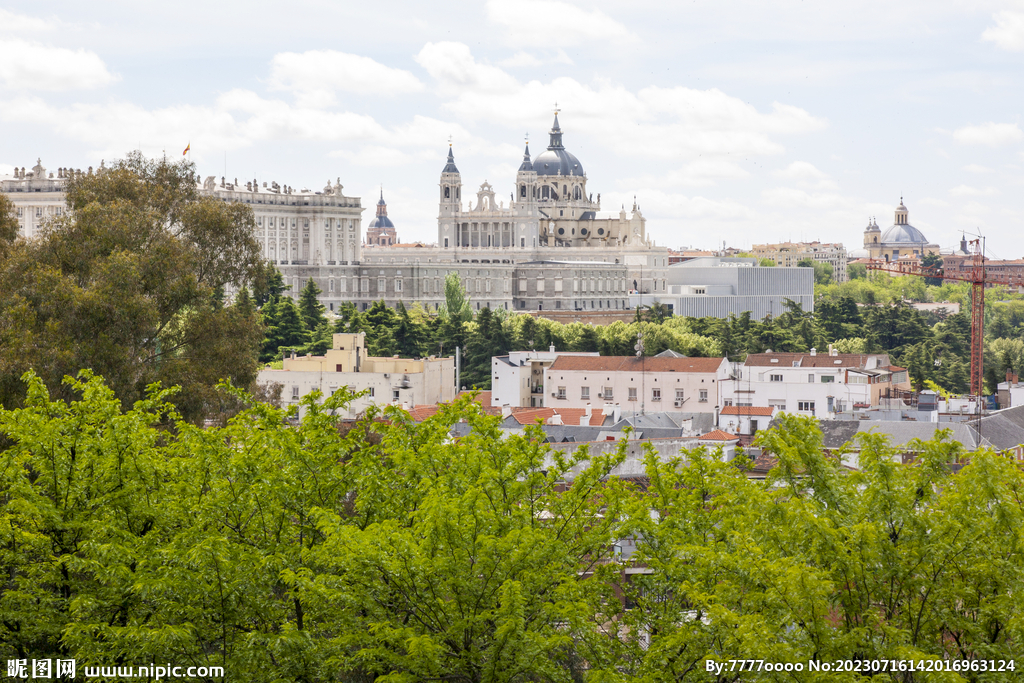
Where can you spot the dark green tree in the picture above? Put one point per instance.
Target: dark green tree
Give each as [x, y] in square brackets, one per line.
[932, 261]
[310, 307]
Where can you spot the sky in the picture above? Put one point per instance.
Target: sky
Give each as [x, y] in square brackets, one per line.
[740, 121]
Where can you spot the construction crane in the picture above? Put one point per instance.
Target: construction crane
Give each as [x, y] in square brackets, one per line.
[978, 276]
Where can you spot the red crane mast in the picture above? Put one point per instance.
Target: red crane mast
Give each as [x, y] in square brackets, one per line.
[978, 277]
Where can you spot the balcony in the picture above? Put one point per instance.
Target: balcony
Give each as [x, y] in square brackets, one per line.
[539, 389]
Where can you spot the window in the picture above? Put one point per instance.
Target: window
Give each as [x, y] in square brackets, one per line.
[632, 394]
[585, 393]
[330, 286]
[776, 378]
[679, 398]
[381, 285]
[398, 285]
[810, 378]
[295, 392]
[608, 393]
[371, 392]
[779, 405]
[446, 242]
[826, 379]
[655, 394]
[805, 406]
[561, 393]
[703, 397]
[394, 395]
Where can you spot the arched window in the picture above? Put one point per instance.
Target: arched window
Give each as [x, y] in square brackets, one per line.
[522, 190]
[446, 193]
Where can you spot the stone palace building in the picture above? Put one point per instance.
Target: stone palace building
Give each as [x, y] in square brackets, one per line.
[548, 248]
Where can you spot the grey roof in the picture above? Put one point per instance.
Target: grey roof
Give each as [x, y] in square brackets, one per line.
[555, 160]
[450, 166]
[1004, 428]
[838, 432]
[526, 165]
[905, 233]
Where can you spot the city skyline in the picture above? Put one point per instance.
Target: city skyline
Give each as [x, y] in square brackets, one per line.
[737, 123]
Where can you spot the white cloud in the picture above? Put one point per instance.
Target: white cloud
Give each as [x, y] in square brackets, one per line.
[977, 168]
[1008, 33]
[791, 197]
[968, 191]
[547, 22]
[990, 134]
[521, 59]
[34, 66]
[455, 69]
[654, 122]
[315, 76]
[800, 170]
[22, 23]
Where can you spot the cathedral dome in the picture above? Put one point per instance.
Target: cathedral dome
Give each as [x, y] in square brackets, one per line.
[555, 160]
[904, 233]
[381, 220]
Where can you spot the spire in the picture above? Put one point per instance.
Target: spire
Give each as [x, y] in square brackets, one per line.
[382, 207]
[450, 166]
[556, 134]
[527, 165]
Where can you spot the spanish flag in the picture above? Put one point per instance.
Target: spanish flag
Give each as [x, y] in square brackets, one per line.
[187, 149]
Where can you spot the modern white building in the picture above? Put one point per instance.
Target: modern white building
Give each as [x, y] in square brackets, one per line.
[719, 286]
[387, 381]
[517, 380]
[652, 384]
[814, 384]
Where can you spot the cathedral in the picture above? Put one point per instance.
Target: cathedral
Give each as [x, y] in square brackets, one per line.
[549, 206]
[900, 240]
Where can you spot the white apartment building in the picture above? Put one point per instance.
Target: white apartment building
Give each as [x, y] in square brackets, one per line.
[790, 254]
[517, 380]
[388, 381]
[650, 384]
[812, 383]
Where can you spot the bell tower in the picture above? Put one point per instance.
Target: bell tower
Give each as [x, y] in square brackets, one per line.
[450, 203]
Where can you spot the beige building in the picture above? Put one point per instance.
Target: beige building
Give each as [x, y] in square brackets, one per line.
[790, 254]
[388, 381]
[652, 384]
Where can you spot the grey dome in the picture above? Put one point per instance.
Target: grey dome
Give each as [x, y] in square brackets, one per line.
[905, 233]
[380, 222]
[555, 160]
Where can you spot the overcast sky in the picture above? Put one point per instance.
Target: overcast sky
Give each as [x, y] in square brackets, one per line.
[741, 122]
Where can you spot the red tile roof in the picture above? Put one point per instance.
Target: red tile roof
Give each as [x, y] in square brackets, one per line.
[570, 416]
[718, 435]
[748, 410]
[422, 412]
[634, 364]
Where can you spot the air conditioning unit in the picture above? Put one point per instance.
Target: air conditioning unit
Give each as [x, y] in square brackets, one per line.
[678, 404]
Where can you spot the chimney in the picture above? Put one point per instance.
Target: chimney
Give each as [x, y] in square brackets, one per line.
[551, 348]
[506, 411]
[588, 411]
[555, 419]
[814, 351]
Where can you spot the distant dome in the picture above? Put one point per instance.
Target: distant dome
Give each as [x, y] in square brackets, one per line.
[904, 233]
[380, 222]
[555, 160]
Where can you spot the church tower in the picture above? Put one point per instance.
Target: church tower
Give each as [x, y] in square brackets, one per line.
[450, 203]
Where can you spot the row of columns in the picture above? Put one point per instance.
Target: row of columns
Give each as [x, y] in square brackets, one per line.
[486, 235]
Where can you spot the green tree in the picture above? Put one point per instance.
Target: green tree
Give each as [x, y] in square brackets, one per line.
[822, 271]
[932, 261]
[310, 307]
[124, 283]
